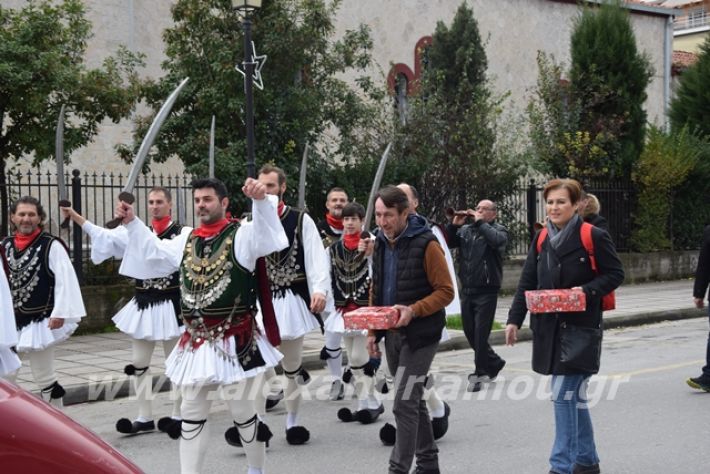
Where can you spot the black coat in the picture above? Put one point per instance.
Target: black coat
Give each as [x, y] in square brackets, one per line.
[702, 273]
[568, 267]
[597, 221]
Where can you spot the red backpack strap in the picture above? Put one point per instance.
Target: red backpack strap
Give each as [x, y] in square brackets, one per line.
[585, 232]
[541, 238]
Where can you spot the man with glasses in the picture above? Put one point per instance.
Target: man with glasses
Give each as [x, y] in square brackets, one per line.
[481, 249]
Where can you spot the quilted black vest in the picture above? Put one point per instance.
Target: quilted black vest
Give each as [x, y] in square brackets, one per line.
[412, 286]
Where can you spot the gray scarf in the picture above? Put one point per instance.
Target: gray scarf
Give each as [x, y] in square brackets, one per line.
[559, 236]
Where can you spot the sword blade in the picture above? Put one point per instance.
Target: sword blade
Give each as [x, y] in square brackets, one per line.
[211, 162]
[302, 179]
[376, 187]
[59, 156]
[150, 137]
[181, 211]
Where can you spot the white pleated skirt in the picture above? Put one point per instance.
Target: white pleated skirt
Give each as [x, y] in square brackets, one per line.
[293, 316]
[9, 362]
[155, 323]
[37, 336]
[216, 363]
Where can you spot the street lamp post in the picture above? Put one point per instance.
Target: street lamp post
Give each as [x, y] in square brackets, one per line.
[247, 7]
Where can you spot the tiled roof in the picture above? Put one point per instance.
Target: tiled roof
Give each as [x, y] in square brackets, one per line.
[682, 60]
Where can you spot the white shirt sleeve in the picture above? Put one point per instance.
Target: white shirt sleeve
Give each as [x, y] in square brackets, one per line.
[262, 235]
[8, 330]
[315, 259]
[106, 243]
[149, 257]
[68, 303]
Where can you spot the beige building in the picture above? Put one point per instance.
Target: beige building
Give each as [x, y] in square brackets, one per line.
[516, 30]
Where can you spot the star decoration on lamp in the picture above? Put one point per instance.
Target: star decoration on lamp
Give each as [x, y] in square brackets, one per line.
[258, 62]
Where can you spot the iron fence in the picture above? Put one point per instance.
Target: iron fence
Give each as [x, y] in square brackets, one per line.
[93, 195]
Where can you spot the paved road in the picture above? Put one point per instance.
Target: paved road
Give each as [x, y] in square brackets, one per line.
[646, 419]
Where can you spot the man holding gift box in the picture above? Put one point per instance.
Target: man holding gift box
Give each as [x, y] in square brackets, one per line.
[481, 250]
[409, 272]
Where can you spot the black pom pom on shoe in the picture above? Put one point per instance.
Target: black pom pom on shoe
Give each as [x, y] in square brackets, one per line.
[345, 415]
[388, 434]
[297, 435]
[231, 436]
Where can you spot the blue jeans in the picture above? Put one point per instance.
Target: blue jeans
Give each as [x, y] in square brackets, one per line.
[706, 369]
[574, 435]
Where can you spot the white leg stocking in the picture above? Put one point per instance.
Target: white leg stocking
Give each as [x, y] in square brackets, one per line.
[195, 435]
[42, 367]
[243, 413]
[291, 362]
[364, 384]
[335, 353]
[143, 382]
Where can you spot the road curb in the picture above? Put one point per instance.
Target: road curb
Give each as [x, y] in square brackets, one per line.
[118, 387]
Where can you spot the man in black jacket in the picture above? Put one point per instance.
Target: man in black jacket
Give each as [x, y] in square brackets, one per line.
[481, 250]
[409, 273]
[702, 278]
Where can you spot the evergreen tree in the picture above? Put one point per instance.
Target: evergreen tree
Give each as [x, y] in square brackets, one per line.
[609, 76]
[691, 104]
[42, 48]
[304, 99]
[449, 146]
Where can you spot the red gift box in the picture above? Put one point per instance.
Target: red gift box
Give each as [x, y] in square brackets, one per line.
[555, 301]
[371, 317]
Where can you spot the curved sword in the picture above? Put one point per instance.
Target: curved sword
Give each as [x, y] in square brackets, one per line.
[59, 158]
[376, 187]
[126, 193]
[211, 156]
[302, 179]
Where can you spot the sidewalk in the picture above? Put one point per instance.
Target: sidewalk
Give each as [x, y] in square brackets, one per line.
[89, 367]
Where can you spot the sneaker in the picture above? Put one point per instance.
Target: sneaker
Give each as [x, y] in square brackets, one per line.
[700, 383]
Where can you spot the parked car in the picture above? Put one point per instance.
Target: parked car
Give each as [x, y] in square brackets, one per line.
[37, 438]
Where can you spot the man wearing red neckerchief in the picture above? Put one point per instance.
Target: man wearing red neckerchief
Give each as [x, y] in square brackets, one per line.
[300, 285]
[46, 294]
[331, 228]
[222, 351]
[153, 314]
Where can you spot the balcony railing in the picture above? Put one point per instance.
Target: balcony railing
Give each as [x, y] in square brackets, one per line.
[693, 21]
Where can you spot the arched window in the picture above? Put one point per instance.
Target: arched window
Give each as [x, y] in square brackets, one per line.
[401, 102]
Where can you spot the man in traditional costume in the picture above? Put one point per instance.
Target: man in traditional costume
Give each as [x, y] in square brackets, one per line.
[300, 283]
[221, 348]
[350, 278]
[45, 294]
[152, 315]
[331, 228]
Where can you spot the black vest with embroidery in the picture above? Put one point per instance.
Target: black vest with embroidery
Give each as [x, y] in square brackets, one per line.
[218, 297]
[327, 235]
[31, 281]
[212, 283]
[286, 269]
[350, 276]
[158, 290]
